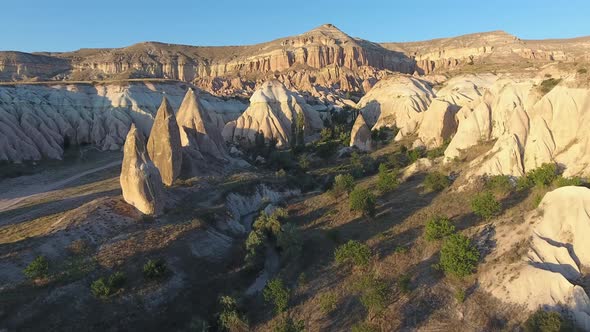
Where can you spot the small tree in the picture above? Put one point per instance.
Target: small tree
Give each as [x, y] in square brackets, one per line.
[154, 269]
[343, 183]
[362, 200]
[386, 181]
[38, 268]
[485, 205]
[276, 293]
[229, 317]
[548, 321]
[458, 256]
[436, 181]
[437, 228]
[543, 175]
[353, 252]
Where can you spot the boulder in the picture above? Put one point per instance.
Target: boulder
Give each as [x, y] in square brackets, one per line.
[438, 124]
[360, 136]
[164, 145]
[140, 179]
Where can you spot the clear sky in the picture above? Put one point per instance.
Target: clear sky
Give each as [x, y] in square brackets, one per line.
[65, 25]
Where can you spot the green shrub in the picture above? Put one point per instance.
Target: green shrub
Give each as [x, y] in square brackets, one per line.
[547, 321]
[485, 205]
[287, 324]
[229, 317]
[363, 327]
[103, 288]
[328, 302]
[326, 150]
[437, 228]
[537, 200]
[38, 268]
[436, 181]
[354, 252]
[379, 134]
[458, 256]
[362, 200]
[290, 241]
[560, 181]
[386, 181]
[548, 85]
[499, 183]
[277, 294]
[543, 175]
[154, 269]
[343, 183]
[373, 293]
[415, 154]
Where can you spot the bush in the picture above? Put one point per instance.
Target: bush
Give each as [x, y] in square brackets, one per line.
[437, 228]
[548, 85]
[103, 288]
[277, 294]
[328, 302]
[343, 183]
[362, 166]
[386, 181]
[304, 162]
[547, 321]
[436, 181]
[229, 317]
[560, 181]
[290, 242]
[154, 269]
[485, 205]
[499, 183]
[38, 268]
[415, 154]
[543, 176]
[354, 252]
[458, 256]
[373, 293]
[287, 324]
[362, 200]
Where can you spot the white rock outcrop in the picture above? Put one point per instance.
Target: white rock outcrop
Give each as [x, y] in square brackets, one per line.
[140, 179]
[273, 111]
[360, 135]
[438, 124]
[549, 273]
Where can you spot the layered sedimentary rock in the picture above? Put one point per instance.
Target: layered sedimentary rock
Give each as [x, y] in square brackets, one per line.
[549, 271]
[274, 112]
[140, 179]
[360, 136]
[39, 121]
[397, 101]
[164, 145]
[199, 131]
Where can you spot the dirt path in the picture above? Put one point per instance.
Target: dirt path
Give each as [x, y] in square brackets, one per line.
[11, 199]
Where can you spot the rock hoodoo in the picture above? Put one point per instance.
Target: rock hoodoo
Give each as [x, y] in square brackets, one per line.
[140, 179]
[360, 136]
[274, 111]
[198, 130]
[164, 145]
[438, 124]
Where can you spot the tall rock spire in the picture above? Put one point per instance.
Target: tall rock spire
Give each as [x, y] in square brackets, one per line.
[164, 143]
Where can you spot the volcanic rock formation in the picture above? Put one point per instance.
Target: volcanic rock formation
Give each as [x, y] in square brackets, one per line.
[360, 136]
[164, 145]
[140, 179]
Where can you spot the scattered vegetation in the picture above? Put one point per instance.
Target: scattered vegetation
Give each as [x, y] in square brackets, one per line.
[353, 252]
[543, 176]
[404, 282]
[458, 256]
[267, 229]
[277, 294]
[485, 205]
[460, 295]
[328, 302]
[154, 269]
[363, 200]
[287, 324]
[500, 184]
[438, 228]
[548, 85]
[229, 317]
[436, 181]
[106, 287]
[37, 269]
[386, 180]
[373, 293]
[548, 321]
[561, 181]
[343, 183]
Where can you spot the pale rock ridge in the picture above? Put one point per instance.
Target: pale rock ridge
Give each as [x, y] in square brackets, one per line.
[474, 126]
[438, 124]
[549, 273]
[360, 135]
[164, 145]
[198, 130]
[396, 101]
[273, 112]
[140, 179]
[38, 121]
[461, 90]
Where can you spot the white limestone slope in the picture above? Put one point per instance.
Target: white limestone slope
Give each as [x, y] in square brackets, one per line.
[37, 121]
[549, 273]
[273, 110]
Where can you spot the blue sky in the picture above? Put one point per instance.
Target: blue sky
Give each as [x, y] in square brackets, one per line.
[64, 25]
